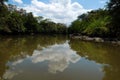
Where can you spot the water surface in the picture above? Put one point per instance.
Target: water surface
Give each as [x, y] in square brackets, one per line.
[44, 57]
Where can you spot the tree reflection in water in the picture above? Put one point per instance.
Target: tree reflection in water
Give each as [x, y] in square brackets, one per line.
[19, 55]
[103, 53]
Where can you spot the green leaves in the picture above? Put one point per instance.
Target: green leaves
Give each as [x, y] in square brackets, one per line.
[114, 11]
[15, 21]
[93, 23]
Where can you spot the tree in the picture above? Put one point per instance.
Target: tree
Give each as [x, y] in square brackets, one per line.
[3, 17]
[83, 16]
[15, 23]
[114, 11]
[30, 23]
[2, 2]
[93, 23]
[39, 19]
[3, 10]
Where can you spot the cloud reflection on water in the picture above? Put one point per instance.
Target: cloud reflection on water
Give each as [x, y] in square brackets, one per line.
[59, 56]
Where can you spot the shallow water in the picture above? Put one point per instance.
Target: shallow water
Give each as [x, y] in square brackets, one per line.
[44, 57]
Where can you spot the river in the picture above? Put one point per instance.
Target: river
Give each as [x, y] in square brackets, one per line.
[44, 57]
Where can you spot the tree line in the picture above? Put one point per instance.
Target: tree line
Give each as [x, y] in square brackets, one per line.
[94, 23]
[100, 23]
[18, 21]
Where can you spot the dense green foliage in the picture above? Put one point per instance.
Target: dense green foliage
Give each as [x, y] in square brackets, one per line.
[102, 22]
[13, 21]
[114, 11]
[93, 23]
[48, 26]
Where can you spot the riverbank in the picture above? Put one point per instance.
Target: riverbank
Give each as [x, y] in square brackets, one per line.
[96, 39]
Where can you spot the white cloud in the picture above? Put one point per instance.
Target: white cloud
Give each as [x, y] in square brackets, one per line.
[18, 1]
[63, 11]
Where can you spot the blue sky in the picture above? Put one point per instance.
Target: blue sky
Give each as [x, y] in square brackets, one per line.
[63, 11]
[92, 4]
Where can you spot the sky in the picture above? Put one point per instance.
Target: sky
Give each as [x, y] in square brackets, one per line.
[59, 11]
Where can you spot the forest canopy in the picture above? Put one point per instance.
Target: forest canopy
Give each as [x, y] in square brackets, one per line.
[100, 23]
